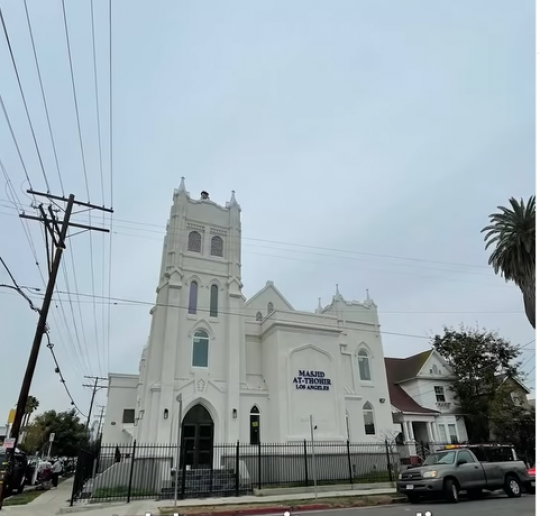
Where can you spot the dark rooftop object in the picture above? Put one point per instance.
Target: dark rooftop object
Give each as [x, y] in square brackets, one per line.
[204, 195]
[399, 369]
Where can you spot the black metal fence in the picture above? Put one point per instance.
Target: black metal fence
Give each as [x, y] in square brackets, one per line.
[139, 471]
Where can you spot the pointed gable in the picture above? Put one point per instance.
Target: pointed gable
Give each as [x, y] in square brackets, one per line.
[410, 367]
[268, 295]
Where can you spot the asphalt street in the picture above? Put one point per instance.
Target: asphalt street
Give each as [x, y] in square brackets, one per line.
[500, 506]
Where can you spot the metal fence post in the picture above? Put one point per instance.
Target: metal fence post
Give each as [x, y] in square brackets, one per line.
[132, 467]
[349, 461]
[259, 462]
[183, 490]
[237, 468]
[388, 462]
[76, 477]
[306, 470]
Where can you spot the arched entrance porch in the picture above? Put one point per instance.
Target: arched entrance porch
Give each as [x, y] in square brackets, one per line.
[198, 438]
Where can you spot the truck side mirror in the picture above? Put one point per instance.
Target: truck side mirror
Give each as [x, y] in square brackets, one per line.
[460, 462]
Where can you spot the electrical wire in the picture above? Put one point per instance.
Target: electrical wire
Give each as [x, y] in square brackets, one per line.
[58, 371]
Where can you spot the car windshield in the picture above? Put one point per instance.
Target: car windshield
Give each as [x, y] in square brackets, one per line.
[440, 458]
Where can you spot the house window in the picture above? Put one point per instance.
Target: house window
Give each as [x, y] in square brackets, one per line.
[369, 419]
[452, 431]
[442, 434]
[201, 342]
[254, 425]
[439, 394]
[128, 417]
[516, 399]
[270, 308]
[195, 242]
[214, 292]
[193, 295]
[258, 317]
[363, 365]
[435, 369]
[216, 246]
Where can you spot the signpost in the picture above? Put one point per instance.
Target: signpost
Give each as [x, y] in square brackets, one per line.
[51, 441]
[313, 469]
[179, 451]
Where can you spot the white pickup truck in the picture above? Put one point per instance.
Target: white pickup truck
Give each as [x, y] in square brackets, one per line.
[470, 468]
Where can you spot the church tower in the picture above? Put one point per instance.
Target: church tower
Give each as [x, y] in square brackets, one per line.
[196, 331]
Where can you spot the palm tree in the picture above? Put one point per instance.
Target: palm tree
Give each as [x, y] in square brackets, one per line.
[32, 404]
[513, 231]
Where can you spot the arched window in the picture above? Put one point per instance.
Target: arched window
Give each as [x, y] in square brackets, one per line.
[195, 242]
[270, 308]
[214, 293]
[216, 246]
[193, 295]
[363, 365]
[201, 342]
[258, 317]
[254, 425]
[369, 419]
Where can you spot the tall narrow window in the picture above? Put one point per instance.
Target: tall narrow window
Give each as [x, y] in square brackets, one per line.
[369, 419]
[363, 365]
[254, 425]
[195, 242]
[258, 317]
[200, 349]
[214, 292]
[216, 246]
[270, 308]
[439, 394]
[193, 295]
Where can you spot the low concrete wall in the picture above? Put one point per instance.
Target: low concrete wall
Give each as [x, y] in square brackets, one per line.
[285, 491]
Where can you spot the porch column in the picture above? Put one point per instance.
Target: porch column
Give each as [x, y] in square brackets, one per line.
[430, 432]
[411, 431]
[406, 436]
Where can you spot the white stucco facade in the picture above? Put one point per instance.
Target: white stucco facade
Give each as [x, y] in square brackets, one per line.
[235, 356]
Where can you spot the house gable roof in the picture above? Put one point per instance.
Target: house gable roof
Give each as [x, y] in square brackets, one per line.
[398, 397]
[410, 367]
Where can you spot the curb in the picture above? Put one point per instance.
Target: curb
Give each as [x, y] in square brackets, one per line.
[280, 509]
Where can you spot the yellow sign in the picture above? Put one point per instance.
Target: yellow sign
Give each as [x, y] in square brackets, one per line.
[11, 416]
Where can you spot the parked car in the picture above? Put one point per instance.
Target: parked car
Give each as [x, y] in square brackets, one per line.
[18, 478]
[470, 468]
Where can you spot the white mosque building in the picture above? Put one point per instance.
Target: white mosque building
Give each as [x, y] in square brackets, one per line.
[249, 370]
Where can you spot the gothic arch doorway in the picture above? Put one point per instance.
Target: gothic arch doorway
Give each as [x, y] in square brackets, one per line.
[198, 438]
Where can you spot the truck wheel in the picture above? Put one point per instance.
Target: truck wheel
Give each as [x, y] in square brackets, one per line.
[451, 491]
[512, 486]
[413, 498]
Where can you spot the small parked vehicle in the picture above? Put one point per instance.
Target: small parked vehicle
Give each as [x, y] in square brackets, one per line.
[469, 468]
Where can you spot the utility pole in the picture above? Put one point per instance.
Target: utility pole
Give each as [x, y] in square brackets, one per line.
[95, 387]
[56, 234]
[100, 420]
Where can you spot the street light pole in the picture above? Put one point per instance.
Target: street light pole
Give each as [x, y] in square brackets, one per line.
[178, 450]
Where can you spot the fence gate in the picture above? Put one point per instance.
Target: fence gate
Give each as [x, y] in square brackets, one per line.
[83, 472]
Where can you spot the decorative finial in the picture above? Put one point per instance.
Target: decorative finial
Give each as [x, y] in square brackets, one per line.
[182, 187]
[319, 307]
[337, 290]
[233, 201]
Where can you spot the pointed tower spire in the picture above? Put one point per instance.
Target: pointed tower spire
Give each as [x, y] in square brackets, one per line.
[319, 307]
[233, 201]
[182, 187]
[337, 290]
[369, 301]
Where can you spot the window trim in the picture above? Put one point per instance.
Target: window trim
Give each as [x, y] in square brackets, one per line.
[441, 394]
[193, 232]
[259, 317]
[214, 300]
[363, 355]
[367, 408]
[193, 303]
[207, 348]
[124, 422]
[217, 238]
[270, 308]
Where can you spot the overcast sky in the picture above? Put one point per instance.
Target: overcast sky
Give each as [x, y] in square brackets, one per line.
[367, 142]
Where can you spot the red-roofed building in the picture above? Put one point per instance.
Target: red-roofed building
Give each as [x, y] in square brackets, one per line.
[422, 402]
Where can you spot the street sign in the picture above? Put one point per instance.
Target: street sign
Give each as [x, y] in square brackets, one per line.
[8, 444]
[51, 437]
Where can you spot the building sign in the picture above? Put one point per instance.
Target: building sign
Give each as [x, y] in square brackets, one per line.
[312, 381]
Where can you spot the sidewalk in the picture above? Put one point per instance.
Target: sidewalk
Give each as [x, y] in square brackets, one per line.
[142, 507]
[47, 504]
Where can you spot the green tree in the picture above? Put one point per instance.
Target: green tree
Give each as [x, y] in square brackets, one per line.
[32, 404]
[480, 360]
[513, 232]
[70, 433]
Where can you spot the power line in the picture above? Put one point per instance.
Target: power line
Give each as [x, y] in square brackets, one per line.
[24, 99]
